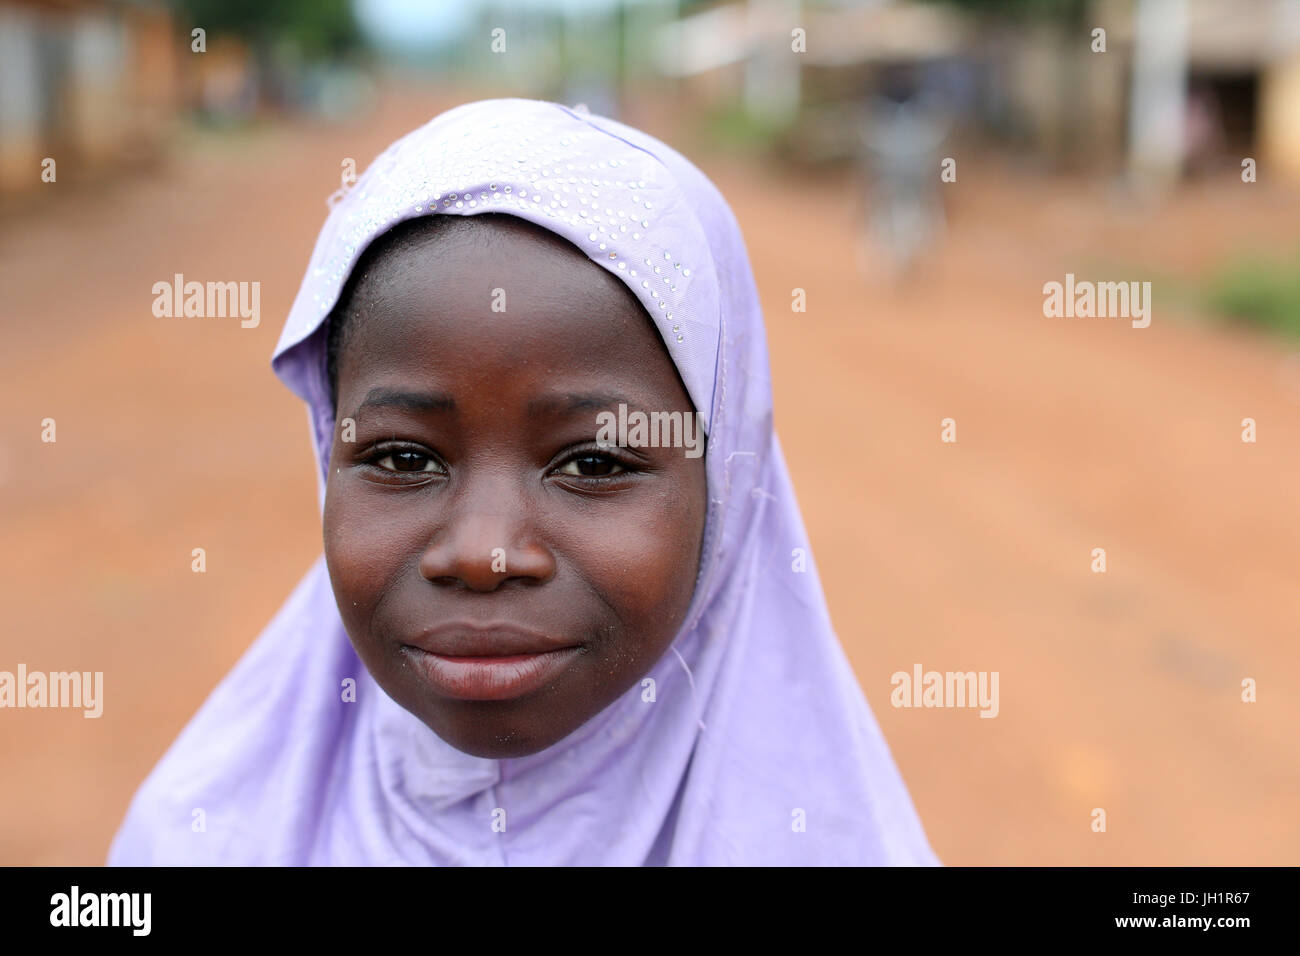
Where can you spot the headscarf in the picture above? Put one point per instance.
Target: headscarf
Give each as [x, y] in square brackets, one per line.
[756, 744]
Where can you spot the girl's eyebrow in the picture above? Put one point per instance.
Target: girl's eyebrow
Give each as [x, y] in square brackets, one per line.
[412, 401]
[574, 402]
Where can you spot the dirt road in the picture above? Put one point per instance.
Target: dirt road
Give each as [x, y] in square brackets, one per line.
[1119, 691]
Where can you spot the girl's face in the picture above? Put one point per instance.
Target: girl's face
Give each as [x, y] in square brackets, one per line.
[502, 577]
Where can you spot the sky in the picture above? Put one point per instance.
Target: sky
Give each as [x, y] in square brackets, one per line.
[429, 22]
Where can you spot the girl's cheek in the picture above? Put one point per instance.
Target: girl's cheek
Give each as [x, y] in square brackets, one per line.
[653, 570]
[351, 554]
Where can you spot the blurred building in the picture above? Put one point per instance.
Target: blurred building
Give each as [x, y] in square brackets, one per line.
[88, 83]
[1238, 85]
[1183, 86]
[1172, 87]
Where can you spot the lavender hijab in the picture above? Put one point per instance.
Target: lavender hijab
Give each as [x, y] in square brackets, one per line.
[757, 745]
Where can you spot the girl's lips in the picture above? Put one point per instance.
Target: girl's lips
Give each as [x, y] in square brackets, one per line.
[489, 678]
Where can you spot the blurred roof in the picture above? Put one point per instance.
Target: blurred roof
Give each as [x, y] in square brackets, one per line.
[1228, 33]
[886, 31]
[879, 31]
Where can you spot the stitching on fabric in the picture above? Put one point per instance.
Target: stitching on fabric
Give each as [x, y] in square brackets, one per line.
[699, 720]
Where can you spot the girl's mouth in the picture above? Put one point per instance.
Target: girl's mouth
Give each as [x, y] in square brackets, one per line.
[502, 677]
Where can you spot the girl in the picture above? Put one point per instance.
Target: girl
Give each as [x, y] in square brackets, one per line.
[527, 643]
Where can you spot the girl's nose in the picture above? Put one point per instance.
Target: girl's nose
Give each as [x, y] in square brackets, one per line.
[481, 551]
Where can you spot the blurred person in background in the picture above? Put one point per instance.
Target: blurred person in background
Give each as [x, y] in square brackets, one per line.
[902, 125]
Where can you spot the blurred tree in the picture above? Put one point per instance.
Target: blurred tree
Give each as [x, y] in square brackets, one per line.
[320, 29]
[1070, 11]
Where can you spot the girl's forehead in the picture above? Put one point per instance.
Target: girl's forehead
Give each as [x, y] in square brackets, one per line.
[469, 333]
[500, 276]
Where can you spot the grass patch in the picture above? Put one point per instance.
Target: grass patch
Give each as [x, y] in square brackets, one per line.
[1257, 291]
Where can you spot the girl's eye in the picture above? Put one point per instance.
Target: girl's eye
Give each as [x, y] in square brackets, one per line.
[591, 466]
[406, 461]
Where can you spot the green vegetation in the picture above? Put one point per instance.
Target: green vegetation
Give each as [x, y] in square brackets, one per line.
[1260, 291]
[1069, 11]
[318, 28]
